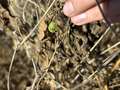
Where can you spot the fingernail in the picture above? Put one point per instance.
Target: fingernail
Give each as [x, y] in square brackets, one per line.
[79, 19]
[68, 8]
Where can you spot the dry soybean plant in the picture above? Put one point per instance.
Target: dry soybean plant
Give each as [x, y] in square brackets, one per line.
[62, 56]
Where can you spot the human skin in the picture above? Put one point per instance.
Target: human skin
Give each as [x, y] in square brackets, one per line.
[86, 11]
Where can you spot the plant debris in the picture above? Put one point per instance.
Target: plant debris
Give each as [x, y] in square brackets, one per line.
[52, 53]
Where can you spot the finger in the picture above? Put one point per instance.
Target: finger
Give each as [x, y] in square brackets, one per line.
[73, 7]
[91, 15]
[110, 10]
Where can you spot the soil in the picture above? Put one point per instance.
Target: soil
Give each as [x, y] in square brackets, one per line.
[57, 59]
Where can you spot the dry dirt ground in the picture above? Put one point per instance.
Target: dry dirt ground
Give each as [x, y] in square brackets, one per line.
[50, 53]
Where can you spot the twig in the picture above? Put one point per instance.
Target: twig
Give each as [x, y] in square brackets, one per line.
[23, 14]
[33, 3]
[108, 29]
[117, 63]
[110, 58]
[108, 49]
[113, 86]
[35, 69]
[36, 76]
[10, 67]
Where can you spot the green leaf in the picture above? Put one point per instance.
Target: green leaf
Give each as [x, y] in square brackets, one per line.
[53, 27]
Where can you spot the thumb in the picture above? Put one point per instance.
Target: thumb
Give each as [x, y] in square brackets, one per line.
[91, 15]
[74, 7]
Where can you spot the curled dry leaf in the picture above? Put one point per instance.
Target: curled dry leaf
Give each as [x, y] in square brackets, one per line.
[42, 29]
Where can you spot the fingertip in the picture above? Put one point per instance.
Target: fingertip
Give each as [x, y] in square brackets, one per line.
[68, 9]
[89, 16]
[79, 19]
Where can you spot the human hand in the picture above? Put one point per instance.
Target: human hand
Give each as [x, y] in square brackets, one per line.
[86, 11]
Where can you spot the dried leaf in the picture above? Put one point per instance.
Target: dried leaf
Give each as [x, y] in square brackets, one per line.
[42, 29]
